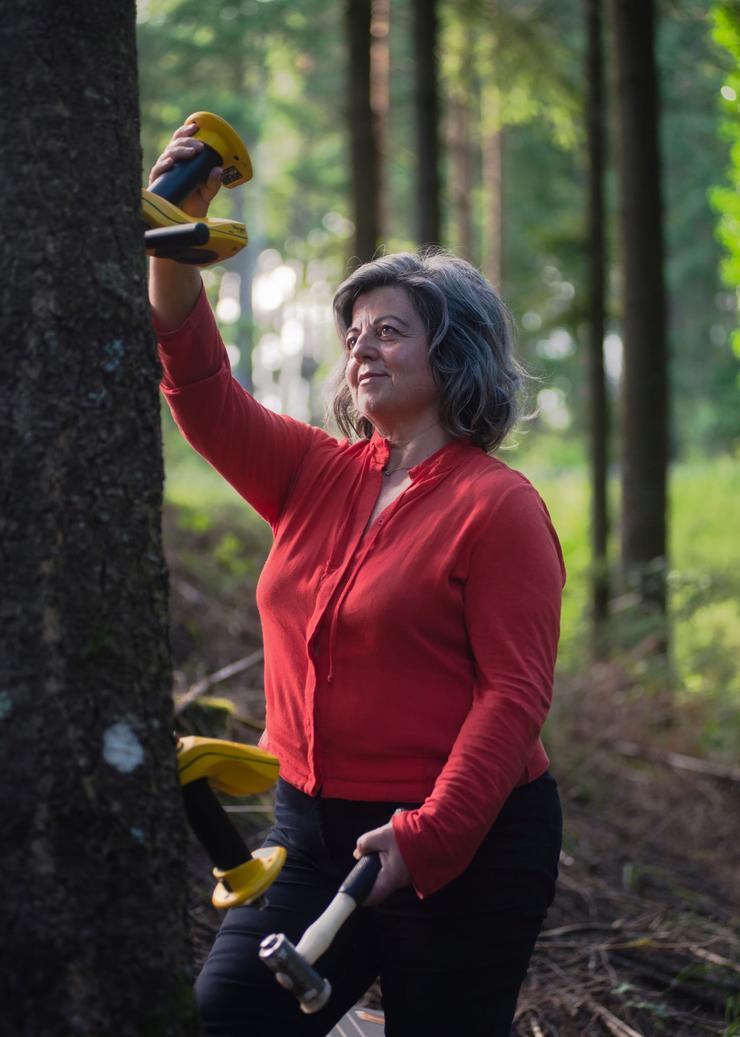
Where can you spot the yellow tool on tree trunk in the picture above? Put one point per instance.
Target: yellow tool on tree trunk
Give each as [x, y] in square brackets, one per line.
[174, 234]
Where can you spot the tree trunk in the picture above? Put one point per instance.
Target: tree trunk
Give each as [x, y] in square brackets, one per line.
[245, 264]
[380, 68]
[459, 143]
[364, 157]
[598, 407]
[493, 186]
[645, 390]
[93, 905]
[492, 158]
[424, 28]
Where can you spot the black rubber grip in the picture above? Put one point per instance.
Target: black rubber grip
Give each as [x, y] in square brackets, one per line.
[210, 823]
[174, 239]
[362, 878]
[177, 183]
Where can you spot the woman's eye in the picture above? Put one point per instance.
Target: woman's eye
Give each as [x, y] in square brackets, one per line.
[386, 330]
[350, 342]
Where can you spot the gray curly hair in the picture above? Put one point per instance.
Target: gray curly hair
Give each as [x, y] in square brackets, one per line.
[471, 343]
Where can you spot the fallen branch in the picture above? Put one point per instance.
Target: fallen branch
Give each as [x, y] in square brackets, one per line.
[613, 1023]
[715, 959]
[201, 687]
[584, 927]
[678, 761]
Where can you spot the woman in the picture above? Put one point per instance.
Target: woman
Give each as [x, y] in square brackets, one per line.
[410, 610]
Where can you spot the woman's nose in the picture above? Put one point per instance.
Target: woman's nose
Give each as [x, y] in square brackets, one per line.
[365, 343]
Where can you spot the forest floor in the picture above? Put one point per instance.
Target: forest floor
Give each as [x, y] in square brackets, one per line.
[642, 938]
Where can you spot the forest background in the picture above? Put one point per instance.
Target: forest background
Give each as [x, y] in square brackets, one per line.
[512, 163]
[645, 737]
[373, 124]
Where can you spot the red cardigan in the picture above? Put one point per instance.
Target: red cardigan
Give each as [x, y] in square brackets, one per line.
[414, 663]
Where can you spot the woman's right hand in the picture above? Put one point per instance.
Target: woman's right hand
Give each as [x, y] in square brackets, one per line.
[184, 146]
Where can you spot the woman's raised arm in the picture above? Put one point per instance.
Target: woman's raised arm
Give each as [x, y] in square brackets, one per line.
[174, 287]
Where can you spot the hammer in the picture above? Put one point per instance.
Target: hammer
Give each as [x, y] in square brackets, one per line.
[293, 966]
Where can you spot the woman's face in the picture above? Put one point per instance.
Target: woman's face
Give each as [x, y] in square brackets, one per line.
[388, 370]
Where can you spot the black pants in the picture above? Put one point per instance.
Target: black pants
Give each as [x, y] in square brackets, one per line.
[449, 964]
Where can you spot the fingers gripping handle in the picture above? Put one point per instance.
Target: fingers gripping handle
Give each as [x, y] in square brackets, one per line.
[222, 146]
[177, 183]
[361, 879]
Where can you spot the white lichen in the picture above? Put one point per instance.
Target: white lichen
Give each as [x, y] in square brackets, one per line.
[121, 748]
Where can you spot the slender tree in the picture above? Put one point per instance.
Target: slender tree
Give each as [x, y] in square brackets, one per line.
[380, 68]
[426, 107]
[645, 386]
[364, 155]
[459, 124]
[93, 900]
[598, 407]
[492, 152]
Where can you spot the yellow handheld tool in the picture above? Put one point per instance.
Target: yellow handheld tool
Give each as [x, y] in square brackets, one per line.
[172, 233]
[238, 770]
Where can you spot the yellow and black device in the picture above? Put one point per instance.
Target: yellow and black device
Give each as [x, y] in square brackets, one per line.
[172, 233]
[205, 764]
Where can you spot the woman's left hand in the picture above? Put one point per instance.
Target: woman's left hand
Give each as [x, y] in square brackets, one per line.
[393, 873]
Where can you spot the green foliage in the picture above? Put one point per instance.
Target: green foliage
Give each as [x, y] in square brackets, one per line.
[703, 584]
[732, 1017]
[702, 312]
[726, 199]
[269, 68]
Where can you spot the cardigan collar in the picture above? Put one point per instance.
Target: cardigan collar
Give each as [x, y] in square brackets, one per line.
[437, 464]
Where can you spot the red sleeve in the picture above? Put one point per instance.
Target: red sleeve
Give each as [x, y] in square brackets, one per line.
[513, 589]
[256, 450]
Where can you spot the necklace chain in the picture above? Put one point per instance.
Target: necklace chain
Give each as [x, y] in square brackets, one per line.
[393, 471]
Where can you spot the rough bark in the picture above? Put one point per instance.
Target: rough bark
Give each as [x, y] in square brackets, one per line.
[598, 406]
[93, 902]
[426, 106]
[364, 158]
[645, 390]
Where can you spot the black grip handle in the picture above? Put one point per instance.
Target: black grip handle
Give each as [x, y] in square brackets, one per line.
[177, 183]
[362, 878]
[211, 825]
[180, 236]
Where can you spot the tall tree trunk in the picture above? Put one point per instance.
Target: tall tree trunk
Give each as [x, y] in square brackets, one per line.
[492, 156]
[424, 28]
[598, 407]
[93, 901]
[459, 143]
[493, 187]
[380, 68]
[364, 157]
[645, 389]
[245, 264]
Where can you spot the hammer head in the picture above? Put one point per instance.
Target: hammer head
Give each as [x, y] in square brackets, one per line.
[294, 973]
